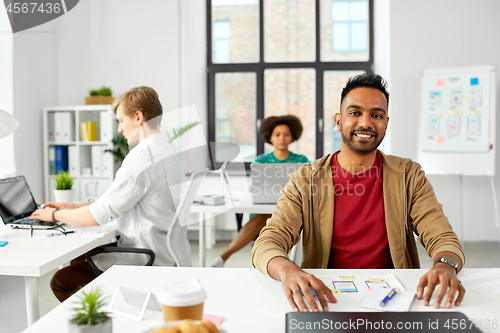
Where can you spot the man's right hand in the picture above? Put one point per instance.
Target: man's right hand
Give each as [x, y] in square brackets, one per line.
[296, 282]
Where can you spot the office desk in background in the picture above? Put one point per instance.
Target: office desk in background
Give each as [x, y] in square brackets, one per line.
[33, 258]
[243, 204]
[248, 300]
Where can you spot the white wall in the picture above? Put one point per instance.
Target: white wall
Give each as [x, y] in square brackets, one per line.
[35, 85]
[435, 34]
[7, 163]
[117, 43]
[122, 44]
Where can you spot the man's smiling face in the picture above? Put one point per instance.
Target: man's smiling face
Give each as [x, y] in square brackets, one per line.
[363, 119]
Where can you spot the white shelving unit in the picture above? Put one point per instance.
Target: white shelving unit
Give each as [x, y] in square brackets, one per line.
[92, 169]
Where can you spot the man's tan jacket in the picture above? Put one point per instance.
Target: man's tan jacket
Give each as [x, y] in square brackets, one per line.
[307, 205]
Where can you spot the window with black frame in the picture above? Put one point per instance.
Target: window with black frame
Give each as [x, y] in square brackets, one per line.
[279, 57]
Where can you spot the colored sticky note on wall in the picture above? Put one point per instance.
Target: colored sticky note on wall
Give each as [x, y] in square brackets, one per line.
[474, 81]
[440, 83]
[441, 139]
[457, 113]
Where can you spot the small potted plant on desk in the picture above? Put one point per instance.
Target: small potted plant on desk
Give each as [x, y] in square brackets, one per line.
[89, 317]
[63, 191]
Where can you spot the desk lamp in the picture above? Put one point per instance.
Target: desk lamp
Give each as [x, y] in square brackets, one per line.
[8, 124]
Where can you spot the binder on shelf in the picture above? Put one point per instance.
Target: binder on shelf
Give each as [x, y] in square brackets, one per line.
[57, 127]
[83, 132]
[50, 127]
[88, 131]
[105, 127]
[52, 160]
[107, 163]
[96, 152]
[61, 158]
[72, 161]
[63, 126]
[91, 130]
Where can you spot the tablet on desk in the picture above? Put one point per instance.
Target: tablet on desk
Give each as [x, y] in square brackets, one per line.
[364, 322]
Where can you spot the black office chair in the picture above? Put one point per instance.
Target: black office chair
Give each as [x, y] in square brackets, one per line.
[107, 249]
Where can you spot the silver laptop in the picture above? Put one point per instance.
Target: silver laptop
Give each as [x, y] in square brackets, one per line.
[17, 204]
[268, 179]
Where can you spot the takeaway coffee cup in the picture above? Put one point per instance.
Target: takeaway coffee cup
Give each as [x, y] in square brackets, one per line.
[182, 300]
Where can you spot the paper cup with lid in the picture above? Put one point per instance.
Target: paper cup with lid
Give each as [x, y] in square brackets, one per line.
[182, 300]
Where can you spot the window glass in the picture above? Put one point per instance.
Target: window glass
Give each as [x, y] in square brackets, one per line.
[235, 105]
[292, 91]
[344, 30]
[235, 31]
[289, 29]
[221, 37]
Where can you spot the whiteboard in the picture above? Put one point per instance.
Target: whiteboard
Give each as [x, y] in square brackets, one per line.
[457, 121]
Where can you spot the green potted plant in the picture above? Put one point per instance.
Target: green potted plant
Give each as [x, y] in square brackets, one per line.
[90, 318]
[64, 184]
[104, 95]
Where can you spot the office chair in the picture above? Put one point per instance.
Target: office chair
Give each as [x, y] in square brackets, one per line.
[181, 214]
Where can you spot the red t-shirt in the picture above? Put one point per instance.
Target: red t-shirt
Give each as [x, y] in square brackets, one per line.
[359, 237]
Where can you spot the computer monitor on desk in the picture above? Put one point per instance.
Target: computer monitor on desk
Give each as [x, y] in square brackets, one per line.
[268, 179]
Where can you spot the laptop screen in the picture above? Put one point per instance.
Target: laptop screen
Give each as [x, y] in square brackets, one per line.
[16, 200]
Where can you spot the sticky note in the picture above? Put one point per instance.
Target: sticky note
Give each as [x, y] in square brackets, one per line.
[441, 139]
[440, 83]
[466, 97]
[474, 81]
[216, 320]
[375, 279]
[457, 113]
[453, 127]
[3, 243]
[439, 115]
[478, 112]
[347, 277]
[336, 291]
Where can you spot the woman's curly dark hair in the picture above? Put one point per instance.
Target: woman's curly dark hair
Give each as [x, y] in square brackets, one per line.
[268, 125]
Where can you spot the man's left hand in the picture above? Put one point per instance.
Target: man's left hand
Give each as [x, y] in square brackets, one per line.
[445, 276]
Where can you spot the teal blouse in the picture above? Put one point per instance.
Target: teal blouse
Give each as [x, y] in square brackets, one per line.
[292, 158]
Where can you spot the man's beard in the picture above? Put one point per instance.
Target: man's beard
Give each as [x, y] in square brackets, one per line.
[366, 147]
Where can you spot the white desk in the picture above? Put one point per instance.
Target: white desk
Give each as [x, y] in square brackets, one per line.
[32, 258]
[243, 204]
[248, 300]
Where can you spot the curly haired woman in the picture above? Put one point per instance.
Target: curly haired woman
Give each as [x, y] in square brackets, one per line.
[279, 131]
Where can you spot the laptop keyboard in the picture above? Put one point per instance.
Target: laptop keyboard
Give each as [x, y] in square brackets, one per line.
[27, 220]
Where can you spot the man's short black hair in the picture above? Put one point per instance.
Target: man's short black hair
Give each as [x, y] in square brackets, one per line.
[368, 81]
